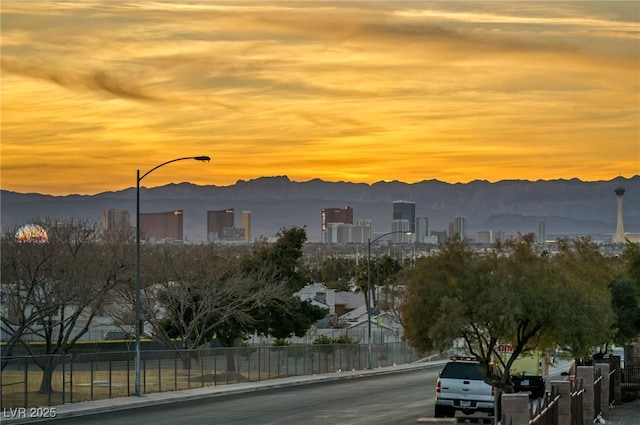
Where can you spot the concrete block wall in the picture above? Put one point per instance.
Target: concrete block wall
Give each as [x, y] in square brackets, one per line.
[604, 369]
[515, 407]
[585, 373]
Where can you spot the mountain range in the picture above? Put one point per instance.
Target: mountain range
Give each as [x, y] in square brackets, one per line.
[569, 207]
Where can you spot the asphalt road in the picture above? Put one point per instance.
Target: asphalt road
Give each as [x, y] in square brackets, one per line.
[393, 399]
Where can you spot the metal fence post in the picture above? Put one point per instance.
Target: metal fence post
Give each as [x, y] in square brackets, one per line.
[64, 361]
[26, 381]
[267, 362]
[128, 378]
[70, 378]
[215, 364]
[110, 376]
[248, 364]
[93, 357]
[144, 375]
[50, 389]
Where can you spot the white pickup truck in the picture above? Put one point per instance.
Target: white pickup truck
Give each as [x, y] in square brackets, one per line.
[460, 386]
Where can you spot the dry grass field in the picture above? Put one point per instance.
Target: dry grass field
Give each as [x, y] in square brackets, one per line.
[104, 384]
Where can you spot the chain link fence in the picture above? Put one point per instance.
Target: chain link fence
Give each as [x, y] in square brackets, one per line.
[94, 376]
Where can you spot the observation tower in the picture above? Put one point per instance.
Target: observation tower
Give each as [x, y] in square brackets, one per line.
[619, 236]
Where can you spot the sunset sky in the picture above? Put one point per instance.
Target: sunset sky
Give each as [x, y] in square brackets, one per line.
[342, 91]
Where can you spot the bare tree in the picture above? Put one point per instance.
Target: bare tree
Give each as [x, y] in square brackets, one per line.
[59, 287]
[191, 292]
[23, 271]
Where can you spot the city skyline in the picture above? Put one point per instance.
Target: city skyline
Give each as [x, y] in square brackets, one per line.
[567, 206]
[344, 91]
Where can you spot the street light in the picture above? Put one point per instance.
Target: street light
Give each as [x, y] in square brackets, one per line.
[369, 341]
[138, 323]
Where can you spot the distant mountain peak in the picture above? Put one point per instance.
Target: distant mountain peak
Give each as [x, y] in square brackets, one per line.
[568, 206]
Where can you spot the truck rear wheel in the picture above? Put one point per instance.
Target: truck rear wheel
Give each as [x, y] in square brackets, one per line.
[444, 412]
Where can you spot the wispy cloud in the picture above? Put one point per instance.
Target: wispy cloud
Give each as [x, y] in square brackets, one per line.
[362, 91]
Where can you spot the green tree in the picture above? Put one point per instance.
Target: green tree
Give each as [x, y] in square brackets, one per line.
[510, 295]
[384, 278]
[284, 257]
[360, 280]
[337, 272]
[294, 317]
[625, 296]
[384, 273]
[586, 309]
[624, 300]
[631, 259]
[289, 316]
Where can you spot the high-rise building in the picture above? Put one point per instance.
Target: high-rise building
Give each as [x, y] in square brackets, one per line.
[440, 236]
[217, 221]
[405, 210]
[401, 231]
[162, 225]
[619, 236]
[542, 231]
[422, 229]
[460, 227]
[483, 236]
[334, 215]
[361, 232]
[246, 224]
[365, 222]
[489, 236]
[233, 234]
[115, 220]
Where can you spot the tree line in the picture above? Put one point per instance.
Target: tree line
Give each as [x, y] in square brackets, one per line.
[518, 293]
[191, 294]
[575, 300]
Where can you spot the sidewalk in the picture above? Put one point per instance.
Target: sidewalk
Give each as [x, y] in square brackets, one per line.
[624, 414]
[15, 416]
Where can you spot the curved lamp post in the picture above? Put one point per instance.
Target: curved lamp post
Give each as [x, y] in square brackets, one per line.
[138, 323]
[369, 341]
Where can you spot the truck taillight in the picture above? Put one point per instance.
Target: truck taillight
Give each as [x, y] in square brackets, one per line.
[493, 391]
[438, 386]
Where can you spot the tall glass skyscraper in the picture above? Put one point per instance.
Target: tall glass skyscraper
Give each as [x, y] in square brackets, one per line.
[405, 210]
[219, 220]
[460, 226]
[542, 231]
[162, 225]
[422, 229]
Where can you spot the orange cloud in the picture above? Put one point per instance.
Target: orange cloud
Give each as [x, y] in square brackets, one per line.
[363, 92]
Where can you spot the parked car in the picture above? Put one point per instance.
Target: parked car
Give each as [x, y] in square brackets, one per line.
[527, 374]
[532, 384]
[461, 387]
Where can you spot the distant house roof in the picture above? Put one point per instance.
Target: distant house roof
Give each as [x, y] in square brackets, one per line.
[319, 304]
[376, 321]
[355, 315]
[350, 300]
